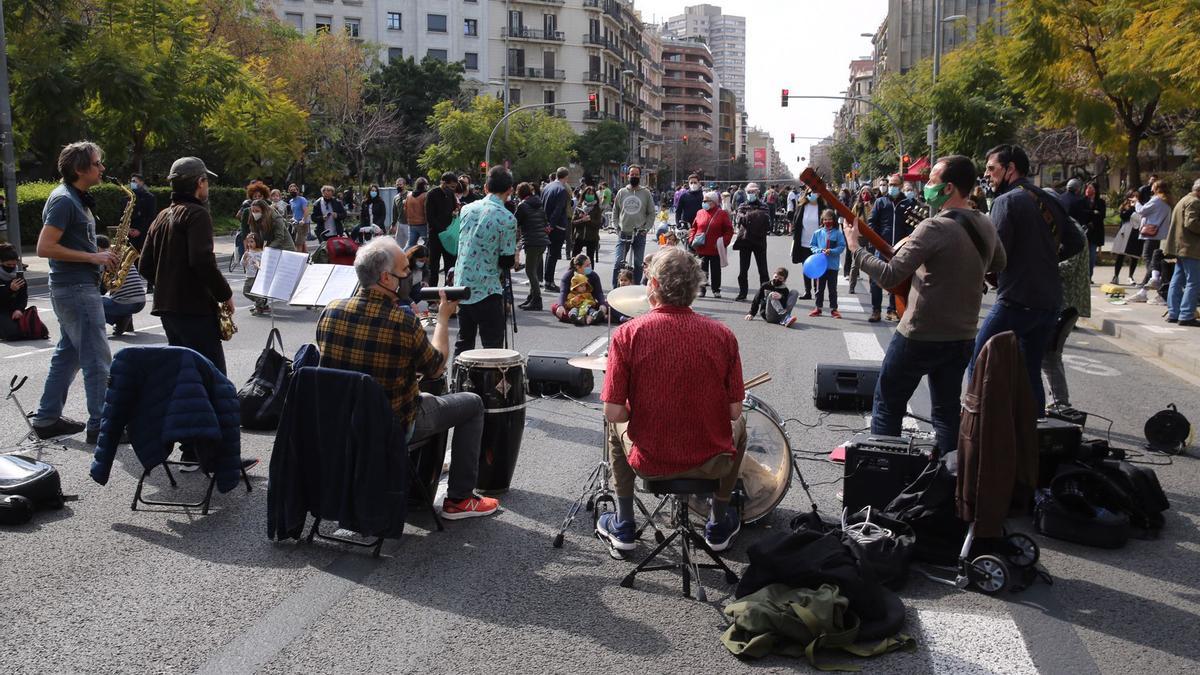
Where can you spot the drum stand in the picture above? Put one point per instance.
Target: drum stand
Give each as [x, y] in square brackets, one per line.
[597, 491]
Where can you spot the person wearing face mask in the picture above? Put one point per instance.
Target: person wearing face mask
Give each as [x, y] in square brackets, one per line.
[775, 301]
[633, 212]
[535, 237]
[272, 231]
[14, 294]
[145, 207]
[946, 256]
[399, 228]
[710, 226]
[862, 209]
[829, 242]
[690, 202]
[372, 333]
[372, 216]
[1029, 291]
[753, 225]
[808, 221]
[581, 266]
[418, 261]
[587, 223]
[301, 216]
[329, 212]
[487, 244]
[256, 189]
[887, 219]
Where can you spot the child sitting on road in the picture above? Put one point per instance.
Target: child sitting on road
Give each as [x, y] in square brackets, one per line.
[252, 262]
[829, 240]
[775, 301]
[624, 278]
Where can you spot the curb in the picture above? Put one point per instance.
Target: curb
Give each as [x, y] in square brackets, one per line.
[1179, 355]
[41, 281]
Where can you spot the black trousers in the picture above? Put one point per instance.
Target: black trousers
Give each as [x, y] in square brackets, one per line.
[591, 248]
[437, 255]
[200, 332]
[554, 253]
[760, 255]
[711, 265]
[485, 319]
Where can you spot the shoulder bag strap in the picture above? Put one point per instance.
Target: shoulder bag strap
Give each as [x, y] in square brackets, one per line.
[974, 234]
[1047, 214]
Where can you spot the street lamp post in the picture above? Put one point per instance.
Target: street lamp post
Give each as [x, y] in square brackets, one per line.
[938, 23]
[628, 125]
[6, 139]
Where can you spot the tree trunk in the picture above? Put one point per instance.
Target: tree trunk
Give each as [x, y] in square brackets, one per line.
[1132, 165]
[139, 150]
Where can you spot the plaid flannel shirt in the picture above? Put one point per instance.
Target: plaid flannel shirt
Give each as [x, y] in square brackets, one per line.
[369, 333]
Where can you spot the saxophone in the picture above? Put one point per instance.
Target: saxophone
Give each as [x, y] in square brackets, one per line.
[225, 322]
[127, 255]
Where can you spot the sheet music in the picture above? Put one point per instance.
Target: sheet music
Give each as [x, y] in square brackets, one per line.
[311, 284]
[288, 270]
[266, 271]
[341, 284]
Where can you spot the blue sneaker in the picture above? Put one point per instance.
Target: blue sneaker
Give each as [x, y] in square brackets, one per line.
[719, 536]
[620, 535]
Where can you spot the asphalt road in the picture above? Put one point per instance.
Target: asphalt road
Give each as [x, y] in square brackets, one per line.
[99, 588]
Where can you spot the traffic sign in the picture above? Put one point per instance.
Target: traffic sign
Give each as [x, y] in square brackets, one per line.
[624, 168]
[857, 166]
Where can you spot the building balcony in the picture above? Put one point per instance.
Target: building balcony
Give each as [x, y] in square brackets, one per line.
[684, 116]
[598, 116]
[693, 83]
[689, 67]
[534, 34]
[592, 40]
[534, 73]
[676, 99]
[602, 79]
[555, 112]
[542, 2]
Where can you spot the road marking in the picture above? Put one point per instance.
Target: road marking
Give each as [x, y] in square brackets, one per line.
[1090, 366]
[971, 643]
[1164, 329]
[35, 351]
[863, 346]
[850, 304]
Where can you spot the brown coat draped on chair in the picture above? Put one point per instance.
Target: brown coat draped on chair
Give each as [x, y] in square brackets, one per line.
[997, 439]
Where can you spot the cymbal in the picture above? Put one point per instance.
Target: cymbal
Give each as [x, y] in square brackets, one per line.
[630, 300]
[590, 362]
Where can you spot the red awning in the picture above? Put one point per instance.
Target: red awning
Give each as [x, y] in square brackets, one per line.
[918, 171]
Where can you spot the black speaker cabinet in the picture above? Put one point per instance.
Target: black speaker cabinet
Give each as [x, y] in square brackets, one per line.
[878, 468]
[549, 373]
[840, 386]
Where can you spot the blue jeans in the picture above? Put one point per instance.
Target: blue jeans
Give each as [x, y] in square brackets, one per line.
[636, 241]
[1185, 289]
[1033, 327]
[905, 363]
[417, 232]
[82, 346]
[114, 310]
[1093, 254]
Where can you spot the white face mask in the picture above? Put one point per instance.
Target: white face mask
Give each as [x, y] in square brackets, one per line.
[256, 215]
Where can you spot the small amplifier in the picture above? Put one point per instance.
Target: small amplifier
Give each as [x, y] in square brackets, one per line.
[1068, 414]
[878, 468]
[844, 386]
[1058, 441]
[549, 373]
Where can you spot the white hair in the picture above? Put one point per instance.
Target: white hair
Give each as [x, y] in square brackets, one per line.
[713, 196]
[374, 258]
[751, 186]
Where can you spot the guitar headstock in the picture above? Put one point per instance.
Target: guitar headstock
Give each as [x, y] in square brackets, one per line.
[810, 178]
[917, 214]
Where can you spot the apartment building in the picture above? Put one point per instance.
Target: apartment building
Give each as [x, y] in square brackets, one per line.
[726, 39]
[690, 103]
[860, 86]
[447, 30]
[906, 35]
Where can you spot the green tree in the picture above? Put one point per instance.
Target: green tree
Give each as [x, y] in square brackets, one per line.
[257, 128]
[601, 146]
[1086, 64]
[408, 90]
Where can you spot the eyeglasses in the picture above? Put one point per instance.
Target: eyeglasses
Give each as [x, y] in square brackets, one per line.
[97, 163]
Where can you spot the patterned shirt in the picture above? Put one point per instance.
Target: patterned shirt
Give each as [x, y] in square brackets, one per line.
[487, 231]
[678, 398]
[369, 333]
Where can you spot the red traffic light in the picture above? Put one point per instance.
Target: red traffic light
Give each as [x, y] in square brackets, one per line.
[593, 103]
[785, 98]
[483, 165]
[685, 139]
[793, 138]
[906, 159]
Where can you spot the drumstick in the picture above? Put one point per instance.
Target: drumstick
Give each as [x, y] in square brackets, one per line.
[761, 378]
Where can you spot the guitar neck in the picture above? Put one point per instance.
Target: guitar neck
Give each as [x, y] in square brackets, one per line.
[812, 180]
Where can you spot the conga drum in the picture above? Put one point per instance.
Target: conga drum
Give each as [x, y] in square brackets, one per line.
[498, 377]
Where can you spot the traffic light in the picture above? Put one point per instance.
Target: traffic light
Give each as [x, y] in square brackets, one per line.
[785, 98]
[593, 103]
[483, 165]
[793, 138]
[904, 161]
[685, 139]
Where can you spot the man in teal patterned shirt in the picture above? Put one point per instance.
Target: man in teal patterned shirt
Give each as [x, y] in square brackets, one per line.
[487, 244]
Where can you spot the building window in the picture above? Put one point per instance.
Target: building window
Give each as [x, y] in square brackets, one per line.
[296, 20]
[435, 23]
[395, 21]
[324, 24]
[471, 61]
[470, 27]
[514, 97]
[353, 27]
[437, 54]
[395, 54]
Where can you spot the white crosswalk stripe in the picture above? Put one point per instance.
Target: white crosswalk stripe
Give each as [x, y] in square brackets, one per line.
[863, 346]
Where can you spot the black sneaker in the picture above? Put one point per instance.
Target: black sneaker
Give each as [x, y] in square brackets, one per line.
[719, 536]
[1189, 322]
[59, 427]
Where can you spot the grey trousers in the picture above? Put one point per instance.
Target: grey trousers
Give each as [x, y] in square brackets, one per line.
[1056, 377]
[463, 413]
[778, 310]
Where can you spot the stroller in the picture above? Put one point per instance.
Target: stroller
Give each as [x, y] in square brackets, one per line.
[948, 546]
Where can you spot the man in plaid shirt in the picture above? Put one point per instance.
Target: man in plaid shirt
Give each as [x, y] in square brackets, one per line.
[372, 333]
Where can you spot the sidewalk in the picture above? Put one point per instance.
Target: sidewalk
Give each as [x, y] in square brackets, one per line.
[1142, 328]
[37, 269]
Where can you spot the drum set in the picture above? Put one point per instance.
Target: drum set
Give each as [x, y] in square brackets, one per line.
[766, 469]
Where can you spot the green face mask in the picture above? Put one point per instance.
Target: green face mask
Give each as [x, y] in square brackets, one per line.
[935, 195]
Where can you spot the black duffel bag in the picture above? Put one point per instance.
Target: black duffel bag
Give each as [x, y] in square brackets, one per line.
[261, 398]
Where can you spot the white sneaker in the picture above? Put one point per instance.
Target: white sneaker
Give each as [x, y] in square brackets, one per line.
[1140, 296]
[1155, 299]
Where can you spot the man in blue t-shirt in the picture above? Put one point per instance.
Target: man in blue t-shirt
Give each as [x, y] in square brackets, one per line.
[299, 214]
[68, 240]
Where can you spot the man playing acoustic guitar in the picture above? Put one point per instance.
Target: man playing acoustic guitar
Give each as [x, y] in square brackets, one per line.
[946, 256]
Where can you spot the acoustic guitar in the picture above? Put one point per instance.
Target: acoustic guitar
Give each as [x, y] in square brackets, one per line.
[813, 181]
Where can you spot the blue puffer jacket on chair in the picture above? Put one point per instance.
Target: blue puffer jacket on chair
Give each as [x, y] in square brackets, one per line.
[169, 395]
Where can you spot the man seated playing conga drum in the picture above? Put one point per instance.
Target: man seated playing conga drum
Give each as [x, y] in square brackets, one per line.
[372, 333]
[673, 393]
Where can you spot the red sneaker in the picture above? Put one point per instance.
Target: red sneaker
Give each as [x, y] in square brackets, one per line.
[835, 314]
[472, 507]
[815, 312]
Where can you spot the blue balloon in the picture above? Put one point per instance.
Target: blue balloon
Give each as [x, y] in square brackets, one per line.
[816, 265]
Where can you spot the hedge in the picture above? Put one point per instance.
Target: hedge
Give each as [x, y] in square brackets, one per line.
[31, 199]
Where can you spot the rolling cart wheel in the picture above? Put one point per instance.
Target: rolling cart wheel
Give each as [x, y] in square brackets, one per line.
[591, 505]
[558, 541]
[989, 574]
[659, 537]
[1029, 552]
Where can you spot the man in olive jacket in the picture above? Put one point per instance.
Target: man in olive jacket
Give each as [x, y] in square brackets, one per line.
[1183, 244]
[178, 259]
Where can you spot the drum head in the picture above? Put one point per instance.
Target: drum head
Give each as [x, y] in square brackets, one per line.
[489, 357]
[766, 470]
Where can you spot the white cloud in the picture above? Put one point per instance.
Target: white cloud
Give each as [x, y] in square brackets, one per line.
[802, 45]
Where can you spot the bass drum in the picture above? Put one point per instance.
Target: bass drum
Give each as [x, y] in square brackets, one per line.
[766, 471]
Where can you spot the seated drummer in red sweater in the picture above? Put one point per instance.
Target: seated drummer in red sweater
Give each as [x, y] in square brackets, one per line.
[675, 410]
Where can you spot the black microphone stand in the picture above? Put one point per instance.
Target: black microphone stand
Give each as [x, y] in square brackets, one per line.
[509, 309]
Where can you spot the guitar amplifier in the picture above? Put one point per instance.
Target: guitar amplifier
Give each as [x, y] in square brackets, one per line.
[549, 373]
[1058, 441]
[878, 468]
[844, 386]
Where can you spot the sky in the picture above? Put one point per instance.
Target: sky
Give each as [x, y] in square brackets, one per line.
[804, 46]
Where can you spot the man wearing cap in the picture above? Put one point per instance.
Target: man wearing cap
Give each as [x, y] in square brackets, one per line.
[440, 207]
[178, 259]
